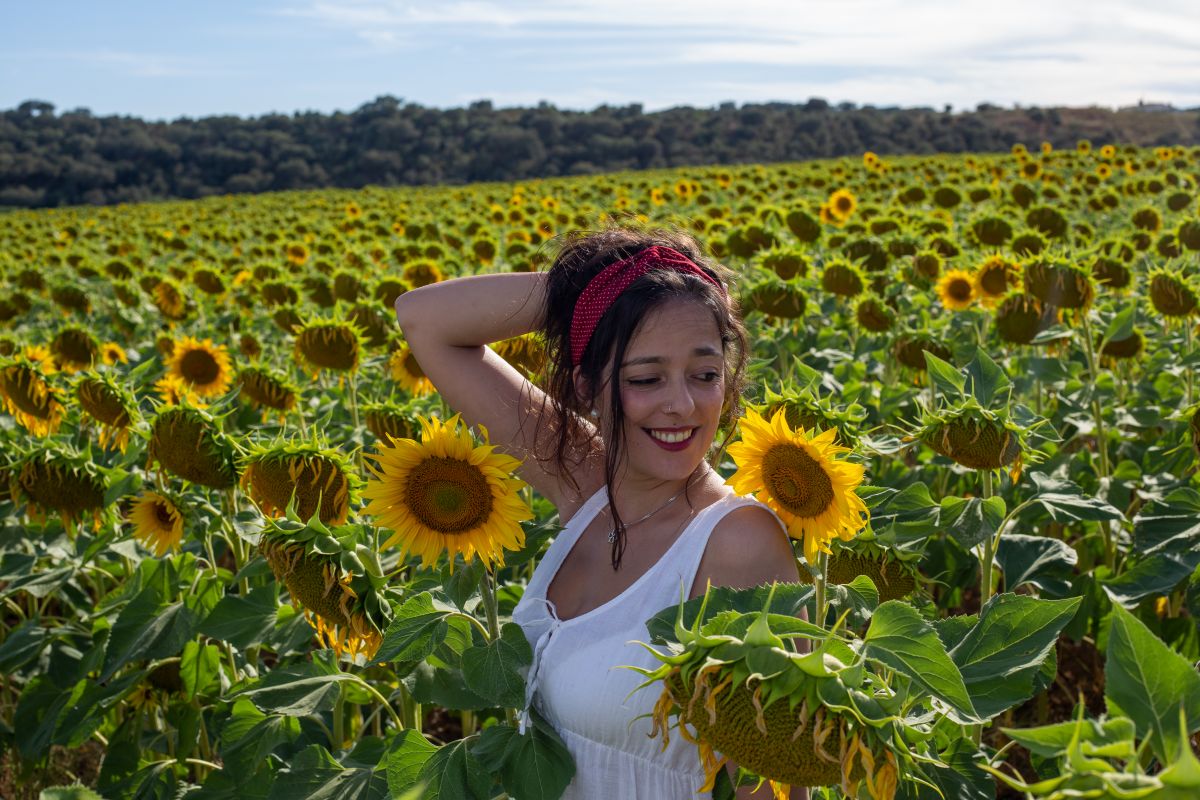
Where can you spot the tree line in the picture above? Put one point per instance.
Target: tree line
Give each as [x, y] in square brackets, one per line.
[74, 157]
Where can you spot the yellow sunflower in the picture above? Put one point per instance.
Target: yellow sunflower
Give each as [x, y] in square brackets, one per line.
[407, 372]
[446, 493]
[29, 397]
[112, 352]
[157, 523]
[800, 476]
[842, 204]
[956, 289]
[202, 366]
[173, 391]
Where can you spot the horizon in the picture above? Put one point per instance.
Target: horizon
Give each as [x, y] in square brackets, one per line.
[167, 62]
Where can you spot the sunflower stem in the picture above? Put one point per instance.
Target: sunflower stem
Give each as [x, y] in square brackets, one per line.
[1110, 556]
[339, 714]
[1187, 352]
[989, 548]
[819, 584]
[488, 593]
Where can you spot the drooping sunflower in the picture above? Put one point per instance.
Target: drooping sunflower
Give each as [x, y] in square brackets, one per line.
[170, 299]
[404, 369]
[187, 442]
[1057, 282]
[1019, 318]
[318, 479]
[54, 478]
[388, 421]
[1172, 294]
[802, 477]
[893, 573]
[975, 437]
[794, 722]
[446, 493]
[29, 397]
[843, 278]
[157, 522]
[526, 353]
[994, 278]
[202, 366]
[75, 349]
[268, 390]
[110, 405]
[956, 289]
[329, 344]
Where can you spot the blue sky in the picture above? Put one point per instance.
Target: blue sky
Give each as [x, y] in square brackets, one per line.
[166, 59]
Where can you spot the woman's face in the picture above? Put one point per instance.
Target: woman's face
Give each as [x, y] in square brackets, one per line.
[672, 384]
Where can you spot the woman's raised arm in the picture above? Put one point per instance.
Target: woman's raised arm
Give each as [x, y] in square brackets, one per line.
[447, 326]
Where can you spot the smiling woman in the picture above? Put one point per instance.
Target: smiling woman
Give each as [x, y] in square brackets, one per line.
[645, 359]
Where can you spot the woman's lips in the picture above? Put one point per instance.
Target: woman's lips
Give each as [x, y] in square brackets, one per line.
[672, 433]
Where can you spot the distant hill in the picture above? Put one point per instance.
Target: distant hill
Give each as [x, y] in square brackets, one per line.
[52, 159]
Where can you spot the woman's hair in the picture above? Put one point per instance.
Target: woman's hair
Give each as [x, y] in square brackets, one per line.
[582, 255]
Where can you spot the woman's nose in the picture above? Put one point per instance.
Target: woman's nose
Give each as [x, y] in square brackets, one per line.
[679, 400]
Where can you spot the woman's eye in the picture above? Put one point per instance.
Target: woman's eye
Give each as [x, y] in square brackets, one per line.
[710, 377]
[641, 381]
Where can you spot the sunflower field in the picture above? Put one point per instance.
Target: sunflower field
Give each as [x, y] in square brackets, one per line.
[247, 552]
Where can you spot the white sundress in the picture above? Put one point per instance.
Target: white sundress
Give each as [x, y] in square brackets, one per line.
[574, 682]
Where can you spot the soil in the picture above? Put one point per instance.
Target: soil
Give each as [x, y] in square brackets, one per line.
[64, 767]
[1080, 672]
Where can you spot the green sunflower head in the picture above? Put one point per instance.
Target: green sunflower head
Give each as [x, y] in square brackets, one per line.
[307, 477]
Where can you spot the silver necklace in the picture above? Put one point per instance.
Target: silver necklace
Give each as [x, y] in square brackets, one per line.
[612, 535]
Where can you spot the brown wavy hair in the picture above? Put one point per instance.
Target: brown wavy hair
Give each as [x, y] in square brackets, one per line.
[580, 256]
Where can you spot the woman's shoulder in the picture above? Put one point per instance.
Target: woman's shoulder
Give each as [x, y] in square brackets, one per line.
[748, 546]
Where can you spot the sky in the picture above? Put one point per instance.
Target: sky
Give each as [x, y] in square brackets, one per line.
[177, 58]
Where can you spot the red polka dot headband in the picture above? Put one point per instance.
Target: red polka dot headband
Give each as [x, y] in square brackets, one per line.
[603, 290]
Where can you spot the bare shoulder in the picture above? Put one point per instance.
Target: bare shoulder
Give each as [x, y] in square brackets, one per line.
[747, 547]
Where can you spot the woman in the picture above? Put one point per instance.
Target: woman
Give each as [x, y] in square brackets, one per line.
[647, 355]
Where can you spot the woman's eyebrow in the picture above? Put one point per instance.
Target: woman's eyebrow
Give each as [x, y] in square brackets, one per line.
[699, 351]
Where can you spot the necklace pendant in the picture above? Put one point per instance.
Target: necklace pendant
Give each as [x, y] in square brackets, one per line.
[612, 536]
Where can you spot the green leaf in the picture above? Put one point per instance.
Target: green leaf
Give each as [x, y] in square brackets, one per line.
[985, 378]
[534, 766]
[1050, 741]
[249, 737]
[789, 599]
[24, 643]
[296, 691]
[314, 774]
[493, 671]
[971, 520]
[147, 629]
[199, 668]
[1040, 561]
[415, 632]
[444, 687]
[1066, 502]
[1001, 656]
[243, 621]
[901, 639]
[1120, 327]
[960, 779]
[405, 758]
[461, 585]
[1154, 575]
[453, 773]
[945, 377]
[1147, 681]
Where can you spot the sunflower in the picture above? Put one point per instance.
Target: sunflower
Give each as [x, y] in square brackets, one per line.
[111, 353]
[53, 478]
[172, 391]
[1019, 318]
[1057, 282]
[201, 366]
[894, 574]
[267, 390]
[329, 344]
[800, 476]
[75, 349]
[874, 315]
[994, 278]
[842, 204]
[334, 578]
[108, 404]
[1171, 294]
[421, 273]
[843, 278]
[157, 522]
[407, 372]
[170, 299]
[387, 421]
[318, 480]
[186, 442]
[29, 397]
[445, 493]
[956, 289]
[297, 254]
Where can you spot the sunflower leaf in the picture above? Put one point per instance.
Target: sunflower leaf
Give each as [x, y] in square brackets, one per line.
[493, 671]
[536, 765]
[986, 378]
[416, 631]
[900, 638]
[453, 773]
[945, 377]
[1147, 681]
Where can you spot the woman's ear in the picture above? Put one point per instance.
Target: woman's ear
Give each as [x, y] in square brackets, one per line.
[583, 390]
